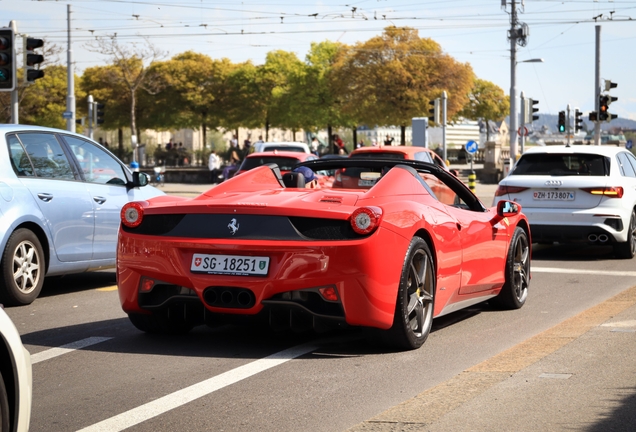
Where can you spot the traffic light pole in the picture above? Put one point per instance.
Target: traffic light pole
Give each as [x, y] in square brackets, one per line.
[522, 104]
[568, 128]
[597, 88]
[15, 104]
[90, 116]
[444, 98]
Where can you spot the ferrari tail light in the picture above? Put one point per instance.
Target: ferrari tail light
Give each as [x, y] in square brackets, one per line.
[504, 190]
[132, 214]
[610, 192]
[365, 220]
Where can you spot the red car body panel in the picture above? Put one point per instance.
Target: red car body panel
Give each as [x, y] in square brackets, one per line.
[470, 248]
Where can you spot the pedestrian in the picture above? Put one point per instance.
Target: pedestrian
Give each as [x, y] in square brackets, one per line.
[388, 141]
[340, 145]
[360, 144]
[214, 165]
[247, 146]
[314, 146]
[169, 145]
[234, 159]
[260, 140]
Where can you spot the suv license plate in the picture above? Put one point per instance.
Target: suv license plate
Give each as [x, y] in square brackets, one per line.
[554, 195]
[230, 264]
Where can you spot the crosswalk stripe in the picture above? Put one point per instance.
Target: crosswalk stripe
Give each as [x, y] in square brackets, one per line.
[64, 349]
[181, 397]
[579, 271]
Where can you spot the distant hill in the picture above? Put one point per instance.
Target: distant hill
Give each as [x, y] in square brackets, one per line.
[551, 120]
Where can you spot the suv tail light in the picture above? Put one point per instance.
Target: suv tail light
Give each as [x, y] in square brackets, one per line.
[610, 192]
[503, 190]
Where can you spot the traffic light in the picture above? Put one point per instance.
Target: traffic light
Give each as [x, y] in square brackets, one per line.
[530, 110]
[435, 111]
[31, 59]
[99, 113]
[578, 121]
[604, 102]
[7, 60]
[561, 121]
[609, 85]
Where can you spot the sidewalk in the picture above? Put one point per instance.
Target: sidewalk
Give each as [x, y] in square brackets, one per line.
[578, 375]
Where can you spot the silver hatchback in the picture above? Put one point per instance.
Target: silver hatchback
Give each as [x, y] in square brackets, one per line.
[577, 194]
[60, 200]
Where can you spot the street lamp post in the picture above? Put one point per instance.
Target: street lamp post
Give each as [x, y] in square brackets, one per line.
[514, 126]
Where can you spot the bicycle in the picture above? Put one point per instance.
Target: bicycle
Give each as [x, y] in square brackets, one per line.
[159, 178]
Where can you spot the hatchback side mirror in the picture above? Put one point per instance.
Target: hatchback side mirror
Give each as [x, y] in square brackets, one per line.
[140, 179]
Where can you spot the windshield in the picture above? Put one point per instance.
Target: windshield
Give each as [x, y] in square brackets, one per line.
[284, 148]
[562, 165]
[284, 163]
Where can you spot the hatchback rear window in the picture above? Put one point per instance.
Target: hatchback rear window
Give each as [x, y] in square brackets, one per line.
[387, 155]
[556, 164]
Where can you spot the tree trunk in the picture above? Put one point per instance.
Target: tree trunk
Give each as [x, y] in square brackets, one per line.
[120, 141]
[330, 142]
[133, 120]
[402, 135]
[267, 129]
[355, 137]
[204, 131]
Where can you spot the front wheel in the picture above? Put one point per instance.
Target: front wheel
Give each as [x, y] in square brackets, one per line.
[515, 290]
[23, 269]
[414, 307]
[627, 250]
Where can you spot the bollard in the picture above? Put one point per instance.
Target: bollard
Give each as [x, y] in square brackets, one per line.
[472, 177]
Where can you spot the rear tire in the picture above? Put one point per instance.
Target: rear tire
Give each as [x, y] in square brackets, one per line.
[23, 269]
[160, 323]
[415, 298]
[514, 293]
[627, 250]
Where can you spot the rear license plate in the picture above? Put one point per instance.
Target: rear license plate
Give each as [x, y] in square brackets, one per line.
[230, 264]
[554, 195]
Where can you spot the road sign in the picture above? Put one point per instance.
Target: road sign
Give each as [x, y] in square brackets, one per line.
[472, 147]
[629, 144]
[523, 131]
[67, 114]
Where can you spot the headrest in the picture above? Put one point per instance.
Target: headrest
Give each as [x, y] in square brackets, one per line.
[294, 180]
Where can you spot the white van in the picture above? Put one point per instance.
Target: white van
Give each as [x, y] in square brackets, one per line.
[282, 146]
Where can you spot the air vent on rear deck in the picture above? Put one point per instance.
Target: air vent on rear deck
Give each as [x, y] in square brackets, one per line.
[331, 199]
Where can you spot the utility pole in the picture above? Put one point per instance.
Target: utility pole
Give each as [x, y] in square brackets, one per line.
[444, 99]
[70, 92]
[513, 83]
[597, 88]
[522, 124]
[90, 116]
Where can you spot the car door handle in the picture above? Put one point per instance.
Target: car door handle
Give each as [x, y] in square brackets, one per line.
[99, 200]
[46, 197]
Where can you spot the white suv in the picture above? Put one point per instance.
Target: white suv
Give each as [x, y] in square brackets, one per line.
[576, 194]
[281, 146]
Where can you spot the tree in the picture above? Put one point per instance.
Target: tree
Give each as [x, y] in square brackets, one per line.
[43, 102]
[192, 91]
[486, 101]
[130, 67]
[390, 79]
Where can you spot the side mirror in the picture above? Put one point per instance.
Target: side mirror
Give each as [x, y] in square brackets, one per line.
[140, 179]
[508, 208]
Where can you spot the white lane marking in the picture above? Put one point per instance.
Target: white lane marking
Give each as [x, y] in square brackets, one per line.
[181, 397]
[578, 271]
[64, 349]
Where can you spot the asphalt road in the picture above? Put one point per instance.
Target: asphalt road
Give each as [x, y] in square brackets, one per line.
[562, 362]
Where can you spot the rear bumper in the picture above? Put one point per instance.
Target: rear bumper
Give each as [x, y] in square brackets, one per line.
[585, 234]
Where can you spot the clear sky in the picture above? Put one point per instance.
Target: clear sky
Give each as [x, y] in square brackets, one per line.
[473, 31]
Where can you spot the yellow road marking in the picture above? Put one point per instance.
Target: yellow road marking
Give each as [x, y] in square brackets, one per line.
[110, 288]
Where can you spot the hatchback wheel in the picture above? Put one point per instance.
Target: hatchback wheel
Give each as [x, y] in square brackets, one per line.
[627, 250]
[22, 269]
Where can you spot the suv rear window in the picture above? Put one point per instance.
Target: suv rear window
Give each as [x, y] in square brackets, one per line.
[556, 164]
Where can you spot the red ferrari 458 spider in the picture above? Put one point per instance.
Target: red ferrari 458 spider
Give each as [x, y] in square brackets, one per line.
[384, 253]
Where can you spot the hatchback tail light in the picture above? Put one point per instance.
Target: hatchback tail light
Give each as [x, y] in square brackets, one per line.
[132, 214]
[365, 220]
[610, 192]
[503, 190]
